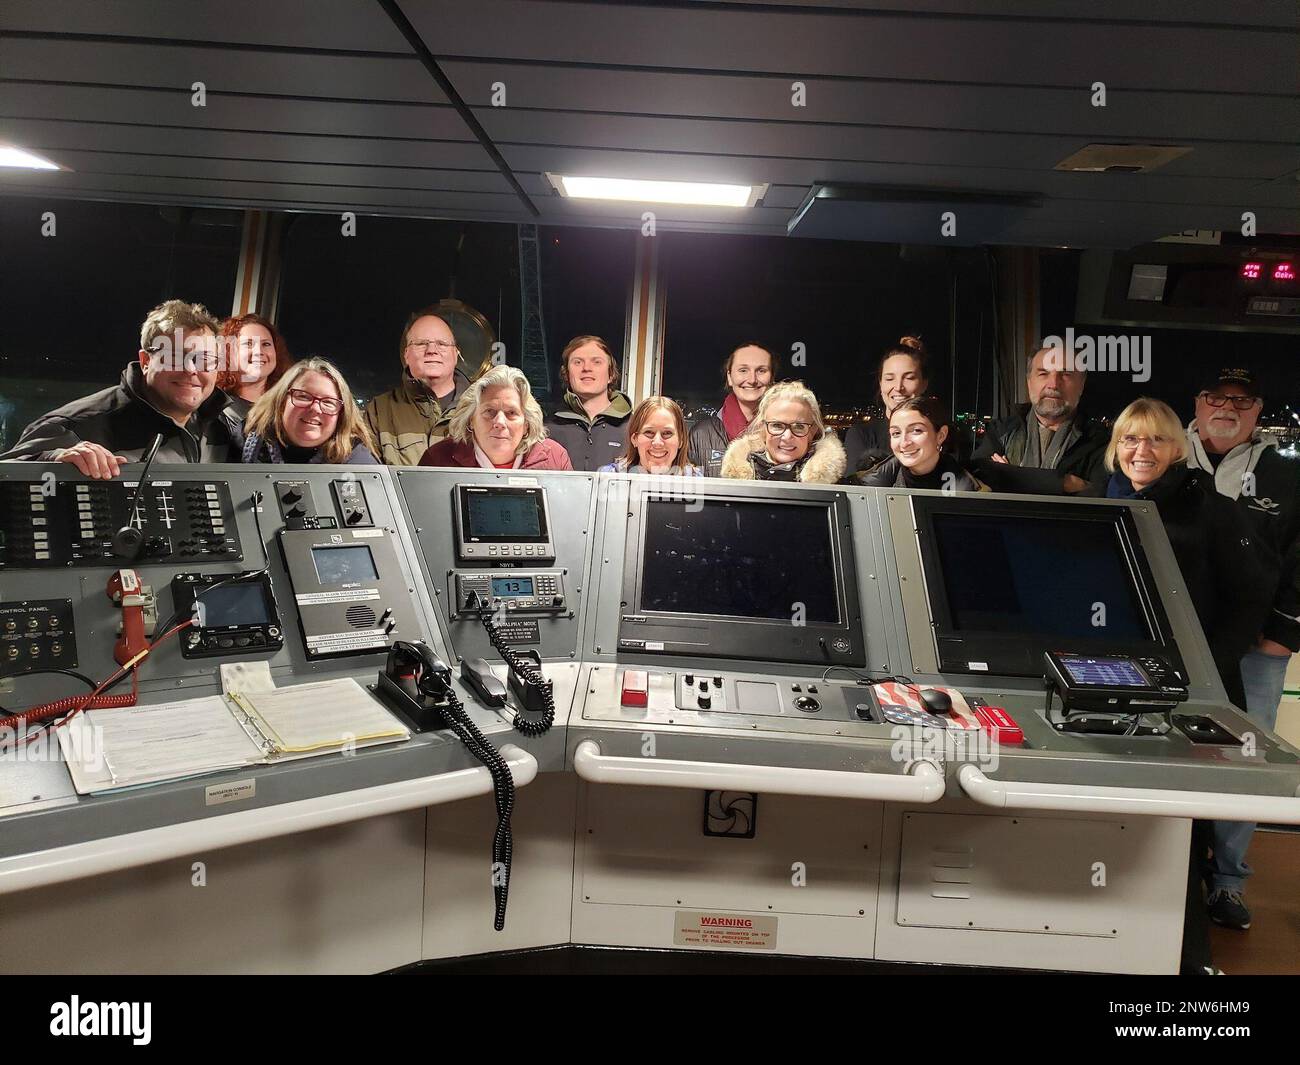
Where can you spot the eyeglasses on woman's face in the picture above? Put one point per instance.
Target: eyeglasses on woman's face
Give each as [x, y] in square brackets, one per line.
[327, 404]
[1156, 443]
[799, 429]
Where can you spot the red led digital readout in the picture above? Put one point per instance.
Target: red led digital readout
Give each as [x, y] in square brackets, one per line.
[1251, 271]
[1284, 272]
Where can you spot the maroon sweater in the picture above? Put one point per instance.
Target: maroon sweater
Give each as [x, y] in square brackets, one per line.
[544, 455]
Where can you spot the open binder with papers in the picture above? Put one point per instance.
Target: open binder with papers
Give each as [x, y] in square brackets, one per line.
[135, 745]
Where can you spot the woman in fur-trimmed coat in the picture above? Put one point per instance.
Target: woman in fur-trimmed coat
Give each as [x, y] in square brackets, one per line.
[787, 442]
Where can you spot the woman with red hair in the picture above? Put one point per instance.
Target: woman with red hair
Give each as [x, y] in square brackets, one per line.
[254, 358]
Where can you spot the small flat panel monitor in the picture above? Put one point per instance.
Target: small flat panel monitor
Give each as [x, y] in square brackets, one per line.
[238, 605]
[1106, 671]
[346, 564]
[1007, 580]
[498, 523]
[771, 579]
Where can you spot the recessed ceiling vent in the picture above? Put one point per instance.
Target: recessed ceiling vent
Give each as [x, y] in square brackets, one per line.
[1121, 158]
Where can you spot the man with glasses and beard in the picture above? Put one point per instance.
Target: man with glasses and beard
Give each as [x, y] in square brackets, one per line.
[1046, 446]
[1223, 441]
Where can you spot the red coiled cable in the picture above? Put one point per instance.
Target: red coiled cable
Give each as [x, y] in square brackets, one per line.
[75, 704]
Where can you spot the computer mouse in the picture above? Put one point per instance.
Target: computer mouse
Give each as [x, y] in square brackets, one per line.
[935, 701]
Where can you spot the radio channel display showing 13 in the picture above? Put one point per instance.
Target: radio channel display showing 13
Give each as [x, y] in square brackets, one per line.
[741, 560]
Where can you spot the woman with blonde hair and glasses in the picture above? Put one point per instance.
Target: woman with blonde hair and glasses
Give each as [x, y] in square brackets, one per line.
[309, 415]
[497, 424]
[656, 441]
[1229, 576]
[787, 441]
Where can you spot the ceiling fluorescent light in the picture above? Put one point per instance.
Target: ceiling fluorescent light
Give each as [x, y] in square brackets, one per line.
[23, 159]
[695, 193]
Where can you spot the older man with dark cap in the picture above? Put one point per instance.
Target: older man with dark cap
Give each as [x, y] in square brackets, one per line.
[1224, 440]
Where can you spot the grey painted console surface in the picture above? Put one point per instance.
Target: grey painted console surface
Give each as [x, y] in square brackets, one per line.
[579, 647]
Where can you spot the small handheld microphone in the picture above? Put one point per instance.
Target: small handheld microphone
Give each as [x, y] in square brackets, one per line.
[128, 540]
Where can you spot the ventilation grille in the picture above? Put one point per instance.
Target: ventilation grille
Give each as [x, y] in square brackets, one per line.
[360, 617]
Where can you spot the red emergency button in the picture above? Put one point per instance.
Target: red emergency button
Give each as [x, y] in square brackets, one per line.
[636, 687]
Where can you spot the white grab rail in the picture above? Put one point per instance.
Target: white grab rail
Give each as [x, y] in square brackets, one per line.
[75, 861]
[924, 784]
[1147, 802]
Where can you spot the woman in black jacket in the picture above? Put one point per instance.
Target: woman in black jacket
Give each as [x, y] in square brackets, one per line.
[749, 372]
[1229, 577]
[904, 374]
[921, 438]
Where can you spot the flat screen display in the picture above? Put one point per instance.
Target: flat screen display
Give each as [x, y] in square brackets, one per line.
[504, 516]
[740, 560]
[1038, 575]
[348, 564]
[505, 587]
[233, 604]
[1104, 672]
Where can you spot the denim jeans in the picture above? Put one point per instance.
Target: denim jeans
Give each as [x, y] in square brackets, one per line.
[1264, 677]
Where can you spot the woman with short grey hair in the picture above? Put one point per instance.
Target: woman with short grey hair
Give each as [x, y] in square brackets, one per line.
[497, 424]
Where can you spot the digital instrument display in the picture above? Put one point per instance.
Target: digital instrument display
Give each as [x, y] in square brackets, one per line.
[504, 516]
[1107, 672]
[347, 564]
[503, 587]
[233, 604]
[1037, 575]
[232, 613]
[500, 522]
[741, 560]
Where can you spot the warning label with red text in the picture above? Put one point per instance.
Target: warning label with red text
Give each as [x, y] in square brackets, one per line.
[724, 930]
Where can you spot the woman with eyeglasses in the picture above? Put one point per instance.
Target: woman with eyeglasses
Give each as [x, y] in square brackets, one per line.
[497, 424]
[656, 441]
[788, 441]
[922, 439]
[1227, 574]
[309, 415]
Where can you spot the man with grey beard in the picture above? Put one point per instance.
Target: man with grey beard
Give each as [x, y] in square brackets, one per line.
[1046, 446]
[1223, 440]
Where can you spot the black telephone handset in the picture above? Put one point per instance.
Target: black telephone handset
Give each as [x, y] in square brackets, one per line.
[417, 685]
[486, 685]
[534, 692]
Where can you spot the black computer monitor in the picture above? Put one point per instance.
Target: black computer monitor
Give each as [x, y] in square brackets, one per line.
[1007, 580]
[768, 579]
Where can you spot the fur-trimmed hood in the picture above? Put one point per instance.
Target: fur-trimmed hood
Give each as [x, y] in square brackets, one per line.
[824, 464]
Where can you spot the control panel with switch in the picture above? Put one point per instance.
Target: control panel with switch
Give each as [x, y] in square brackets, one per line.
[37, 634]
[743, 694]
[351, 498]
[51, 524]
